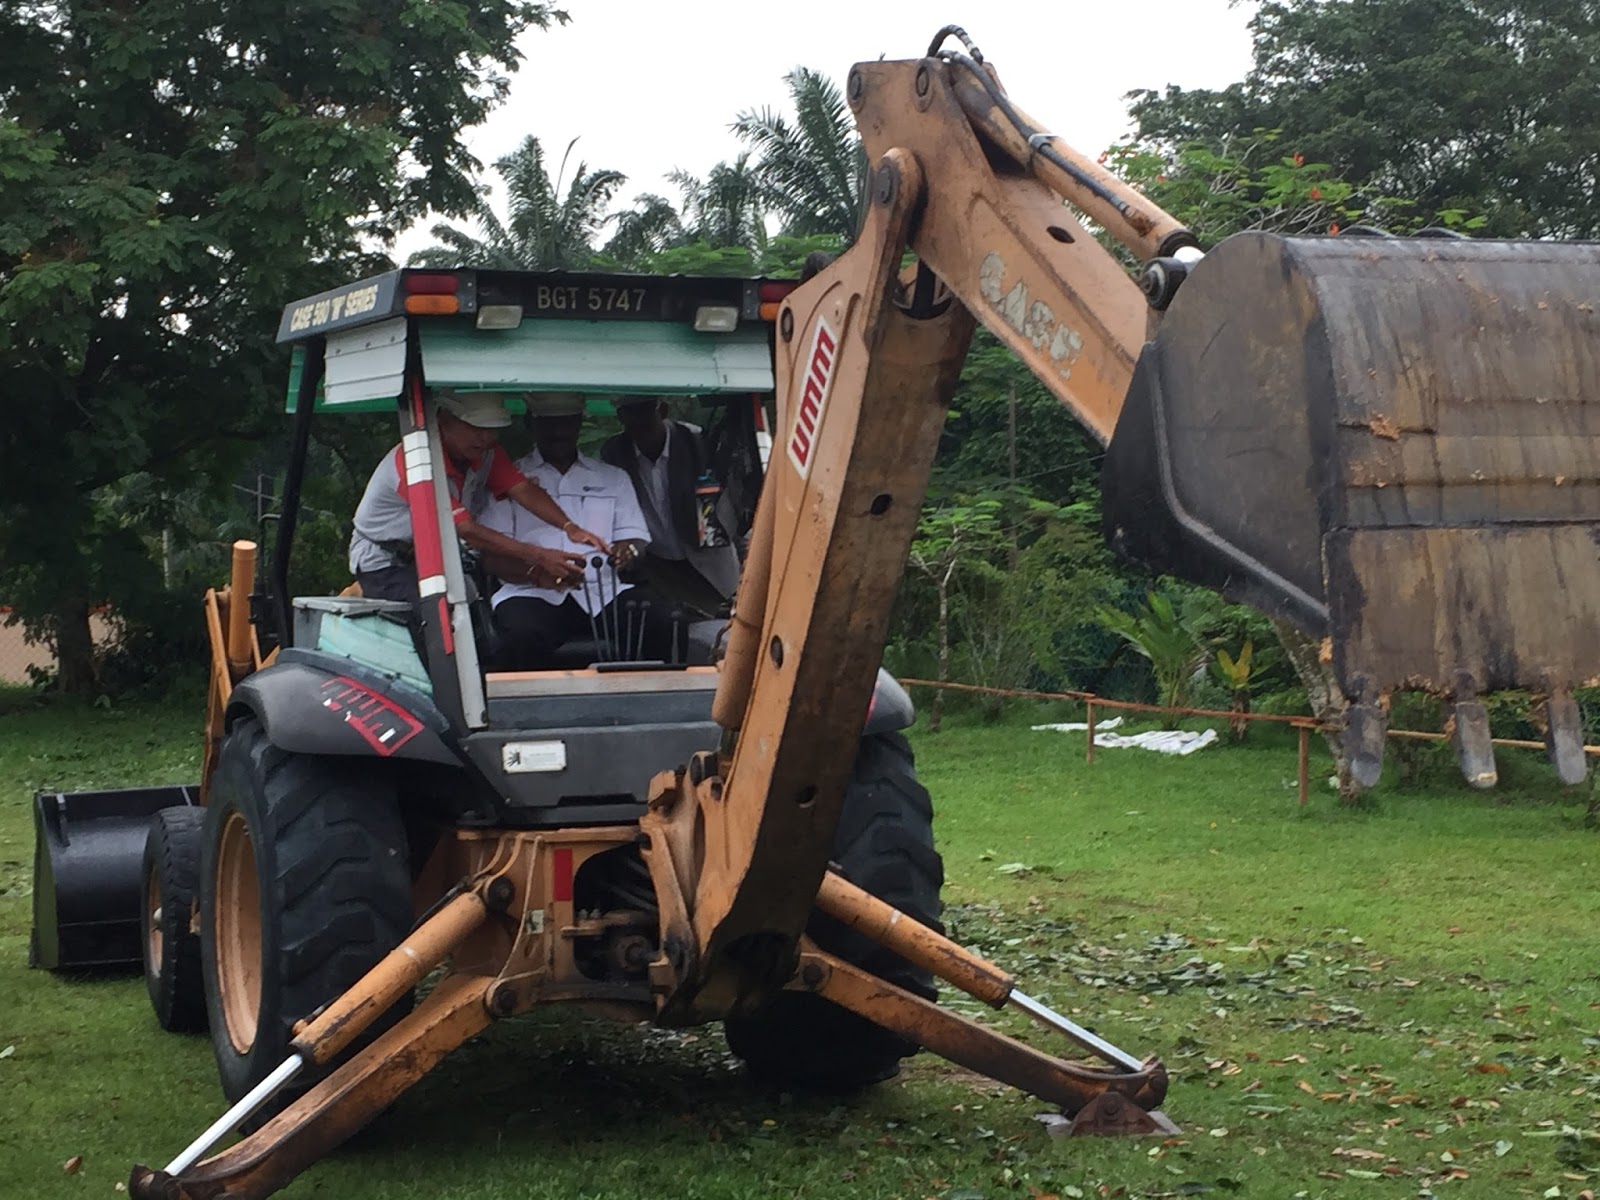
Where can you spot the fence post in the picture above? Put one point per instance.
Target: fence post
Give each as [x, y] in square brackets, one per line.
[1089, 708]
[1305, 763]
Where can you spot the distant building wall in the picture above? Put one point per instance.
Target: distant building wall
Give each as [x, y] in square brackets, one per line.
[17, 654]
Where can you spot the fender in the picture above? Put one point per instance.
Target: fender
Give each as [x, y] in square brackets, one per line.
[309, 702]
[891, 708]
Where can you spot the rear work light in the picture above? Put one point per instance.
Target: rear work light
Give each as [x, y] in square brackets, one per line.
[499, 316]
[716, 318]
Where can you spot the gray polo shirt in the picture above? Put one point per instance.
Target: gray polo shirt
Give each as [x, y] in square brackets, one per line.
[384, 517]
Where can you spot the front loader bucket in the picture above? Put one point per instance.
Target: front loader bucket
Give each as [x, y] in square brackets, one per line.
[88, 859]
[1392, 443]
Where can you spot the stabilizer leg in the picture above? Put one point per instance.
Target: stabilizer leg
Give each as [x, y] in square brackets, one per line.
[336, 1108]
[1072, 1085]
[1105, 1101]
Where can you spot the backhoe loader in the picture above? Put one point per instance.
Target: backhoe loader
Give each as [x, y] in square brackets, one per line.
[1394, 443]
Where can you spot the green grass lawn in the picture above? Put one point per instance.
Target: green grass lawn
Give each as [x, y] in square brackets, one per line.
[1400, 1000]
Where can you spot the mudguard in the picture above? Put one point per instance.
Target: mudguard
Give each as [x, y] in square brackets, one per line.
[309, 702]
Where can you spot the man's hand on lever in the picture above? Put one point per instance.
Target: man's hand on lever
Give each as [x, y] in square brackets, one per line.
[583, 537]
[623, 553]
[552, 568]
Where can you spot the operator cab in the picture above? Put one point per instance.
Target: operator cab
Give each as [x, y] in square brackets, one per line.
[542, 740]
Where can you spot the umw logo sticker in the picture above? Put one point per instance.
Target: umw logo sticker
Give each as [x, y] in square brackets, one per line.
[813, 397]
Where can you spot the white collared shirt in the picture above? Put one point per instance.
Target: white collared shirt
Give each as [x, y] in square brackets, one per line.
[599, 498]
[664, 539]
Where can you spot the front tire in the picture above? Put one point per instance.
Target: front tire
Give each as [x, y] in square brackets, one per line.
[172, 973]
[304, 887]
[884, 845]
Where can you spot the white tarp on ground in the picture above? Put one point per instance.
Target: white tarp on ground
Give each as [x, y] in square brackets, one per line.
[1163, 741]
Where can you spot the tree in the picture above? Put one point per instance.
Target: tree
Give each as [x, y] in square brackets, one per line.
[721, 212]
[812, 170]
[1490, 107]
[1168, 638]
[724, 208]
[170, 175]
[545, 226]
[947, 537]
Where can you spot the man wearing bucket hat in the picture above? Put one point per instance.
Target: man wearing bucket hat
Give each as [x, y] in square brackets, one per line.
[534, 621]
[476, 468]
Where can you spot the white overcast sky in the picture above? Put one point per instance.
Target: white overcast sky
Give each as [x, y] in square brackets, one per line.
[650, 85]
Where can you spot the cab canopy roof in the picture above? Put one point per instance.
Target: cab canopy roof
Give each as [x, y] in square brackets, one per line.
[509, 331]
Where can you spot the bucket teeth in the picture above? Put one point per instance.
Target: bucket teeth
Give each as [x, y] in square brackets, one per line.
[1563, 738]
[1365, 730]
[1469, 730]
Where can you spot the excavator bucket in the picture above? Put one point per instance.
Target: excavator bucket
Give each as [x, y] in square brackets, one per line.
[88, 864]
[1394, 444]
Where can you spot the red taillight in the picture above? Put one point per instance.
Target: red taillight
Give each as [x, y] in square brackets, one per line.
[431, 285]
[771, 293]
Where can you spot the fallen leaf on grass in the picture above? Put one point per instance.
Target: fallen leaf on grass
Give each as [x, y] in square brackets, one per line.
[1358, 1152]
[72, 1164]
[1305, 1087]
[8, 1052]
[1502, 1148]
[1492, 1068]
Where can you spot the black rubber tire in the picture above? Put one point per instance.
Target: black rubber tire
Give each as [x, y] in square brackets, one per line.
[334, 888]
[885, 845]
[171, 873]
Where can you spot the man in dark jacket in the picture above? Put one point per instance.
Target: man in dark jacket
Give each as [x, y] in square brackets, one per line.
[667, 460]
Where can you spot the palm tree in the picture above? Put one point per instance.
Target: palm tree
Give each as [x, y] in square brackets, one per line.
[545, 227]
[813, 171]
[649, 227]
[721, 211]
[724, 208]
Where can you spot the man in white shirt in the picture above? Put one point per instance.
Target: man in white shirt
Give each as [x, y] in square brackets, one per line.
[476, 468]
[534, 621]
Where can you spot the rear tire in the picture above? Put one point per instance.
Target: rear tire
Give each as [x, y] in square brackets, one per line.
[884, 844]
[304, 887]
[172, 973]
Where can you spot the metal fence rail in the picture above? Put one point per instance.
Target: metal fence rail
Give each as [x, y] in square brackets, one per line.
[1305, 726]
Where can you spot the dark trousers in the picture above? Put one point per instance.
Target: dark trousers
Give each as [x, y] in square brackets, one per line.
[533, 630]
[389, 583]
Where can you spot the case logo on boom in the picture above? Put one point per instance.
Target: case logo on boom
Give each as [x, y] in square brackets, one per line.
[819, 378]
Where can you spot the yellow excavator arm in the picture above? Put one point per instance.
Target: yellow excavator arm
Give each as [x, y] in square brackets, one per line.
[1395, 443]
